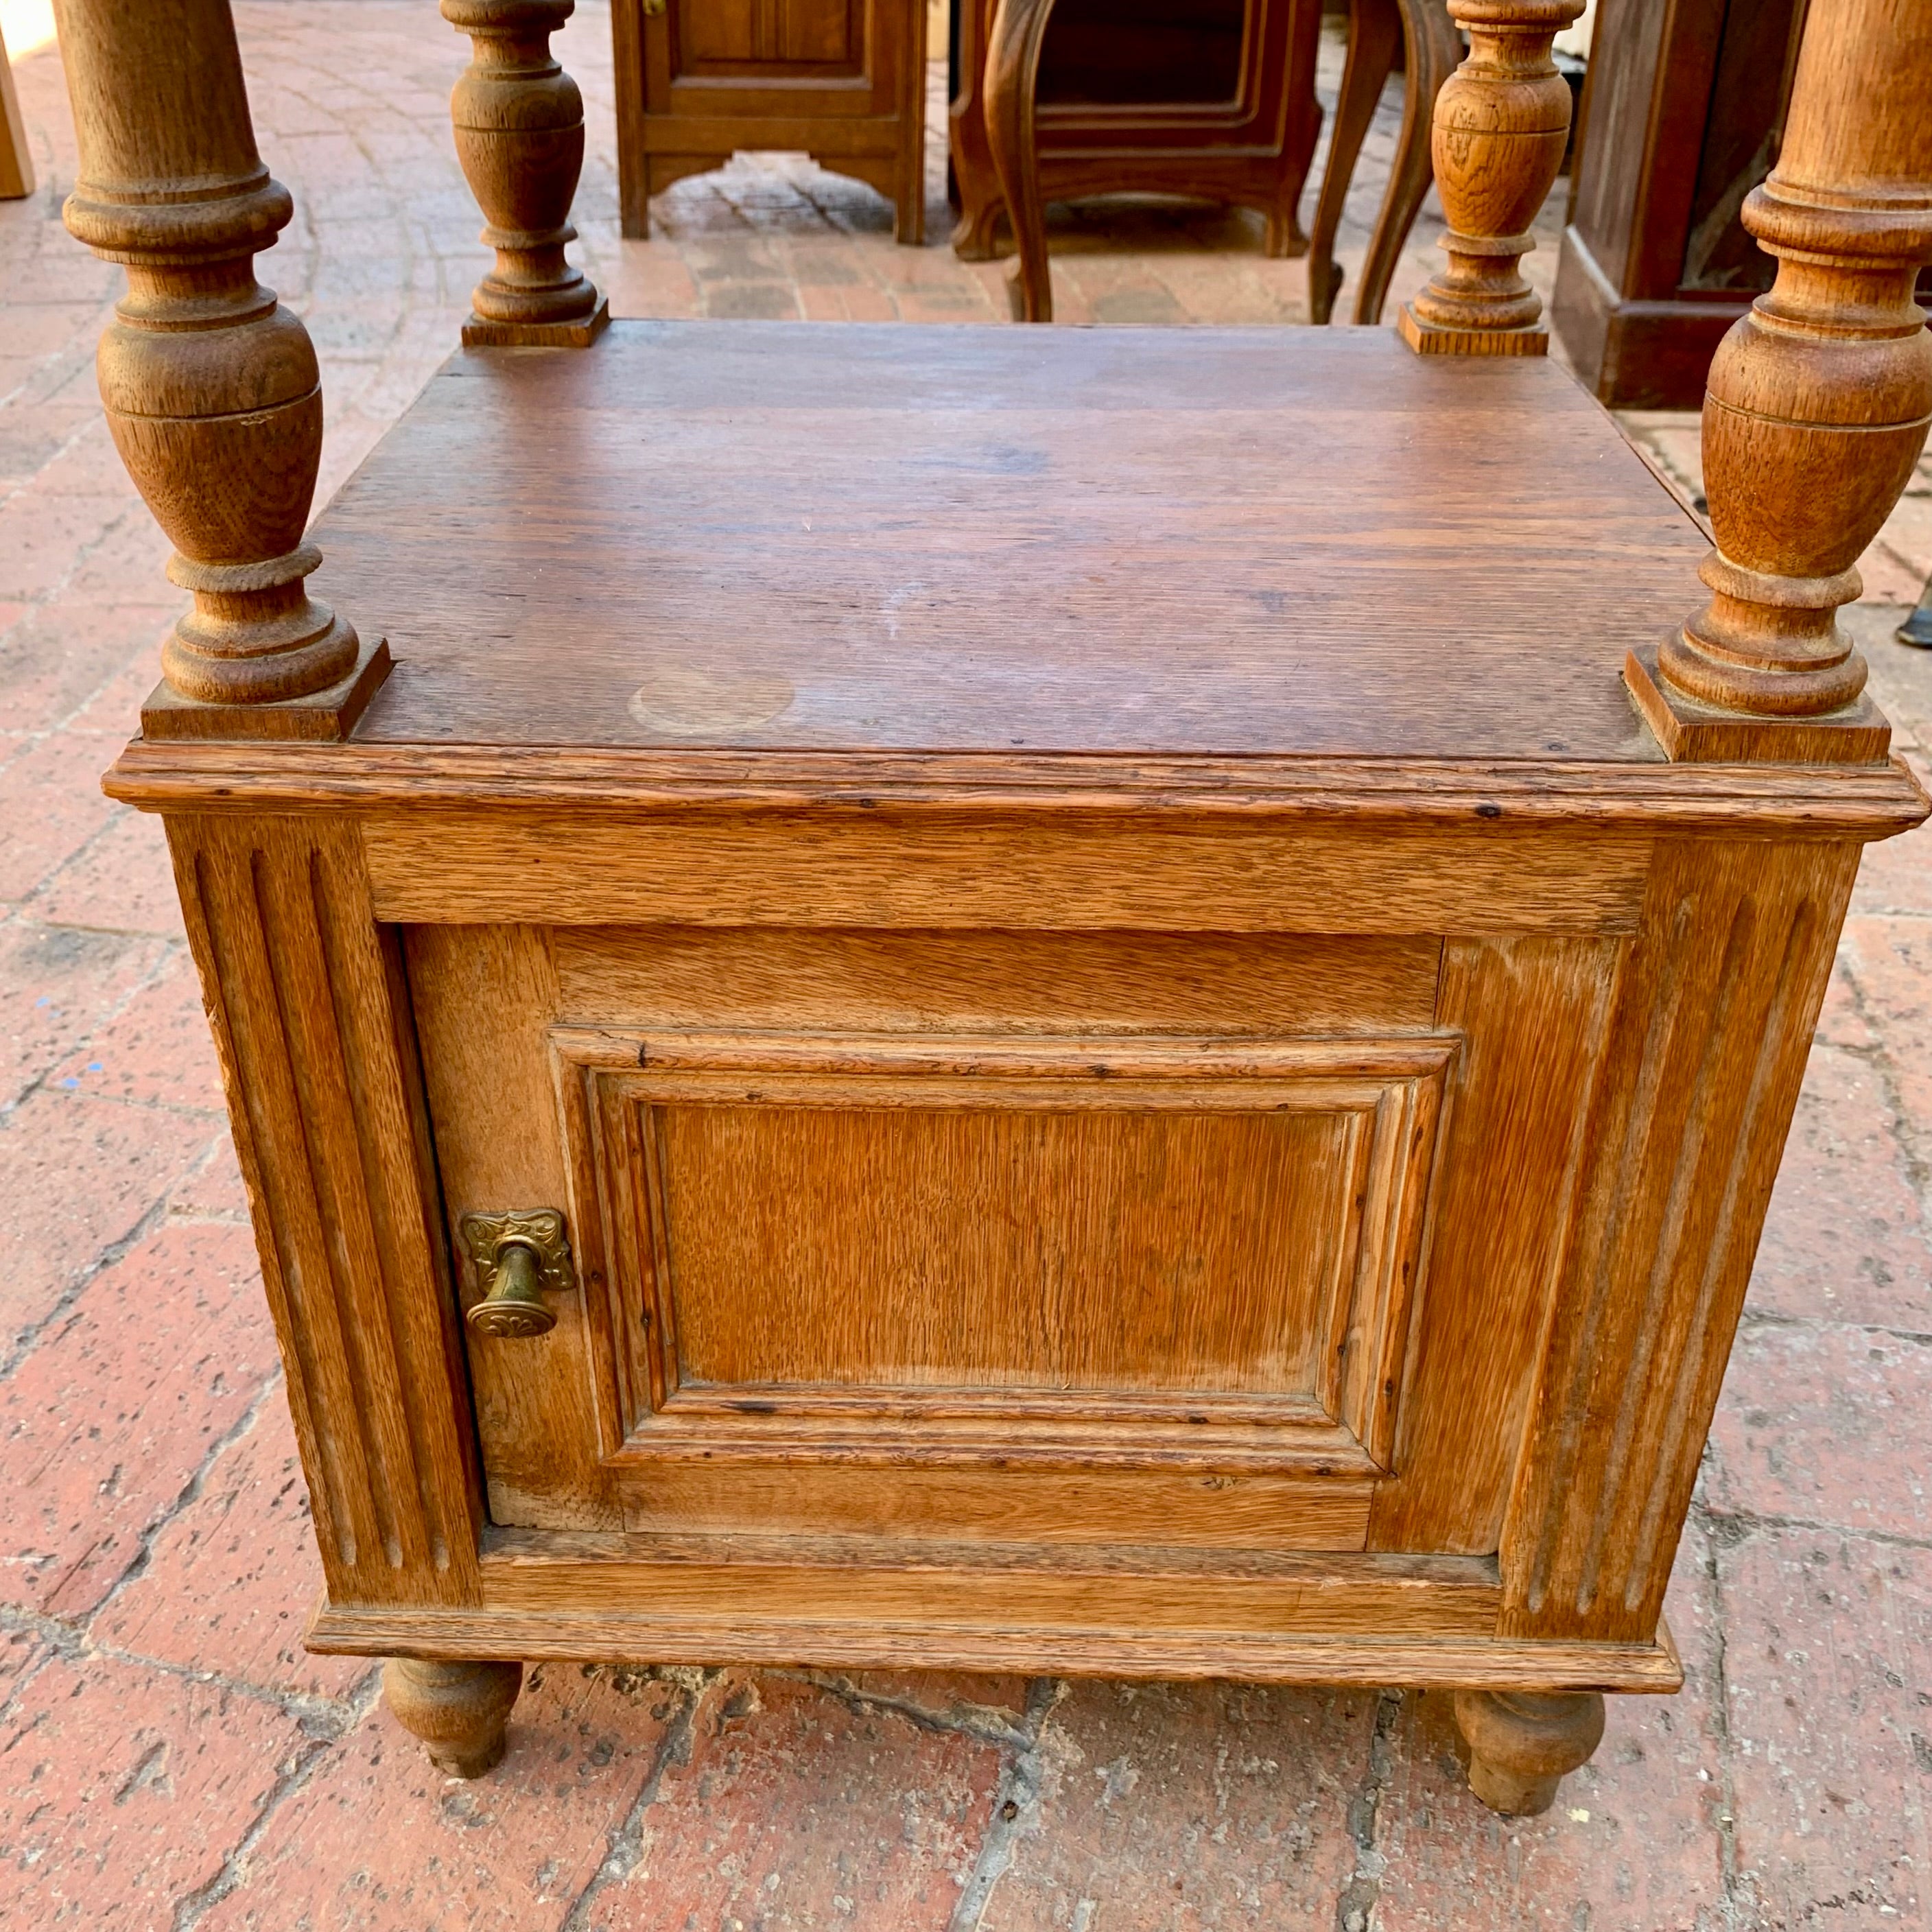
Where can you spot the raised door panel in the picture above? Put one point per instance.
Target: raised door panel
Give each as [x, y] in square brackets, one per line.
[760, 39]
[1157, 1252]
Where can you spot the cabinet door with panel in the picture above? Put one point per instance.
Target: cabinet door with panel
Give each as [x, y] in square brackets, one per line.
[700, 80]
[1087, 1252]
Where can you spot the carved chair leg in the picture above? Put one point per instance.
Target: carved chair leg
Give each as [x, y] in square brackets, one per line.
[1375, 32]
[1522, 1742]
[458, 1710]
[1012, 89]
[1432, 48]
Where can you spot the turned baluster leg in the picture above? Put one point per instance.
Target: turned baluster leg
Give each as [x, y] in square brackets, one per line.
[1012, 89]
[1501, 121]
[1815, 408]
[211, 390]
[458, 1710]
[519, 122]
[1522, 1742]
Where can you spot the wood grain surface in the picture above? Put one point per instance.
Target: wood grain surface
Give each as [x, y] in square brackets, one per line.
[748, 536]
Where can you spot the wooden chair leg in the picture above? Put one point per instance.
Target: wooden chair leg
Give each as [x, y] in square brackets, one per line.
[459, 1710]
[1522, 1742]
[1431, 47]
[17, 165]
[1375, 31]
[1013, 89]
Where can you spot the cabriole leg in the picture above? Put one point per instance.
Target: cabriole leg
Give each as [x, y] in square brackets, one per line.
[458, 1710]
[1522, 1742]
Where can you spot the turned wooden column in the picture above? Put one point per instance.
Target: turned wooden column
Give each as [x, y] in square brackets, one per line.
[1815, 408]
[519, 122]
[1501, 122]
[211, 388]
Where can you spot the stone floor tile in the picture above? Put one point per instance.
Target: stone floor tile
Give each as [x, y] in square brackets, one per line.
[1824, 1424]
[952, 1697]
[49, 810]
[157, 1051]
[1895, 875]
[214, 1190]
[1189, 1807]
[1635, 1842]
[56, 661]
[125, 1789]
[1846, 1239]
[229, 1581]
[109, 1420]
[1828, 1665]
[76, 1177]
[111, 715]
[379, 1841]
[57, 987]
[20, 1652]
[43, 537]
[794, 1812]
[122, 882]
[1890, 961]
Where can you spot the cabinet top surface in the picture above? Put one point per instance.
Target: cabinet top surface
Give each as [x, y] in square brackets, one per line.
[1280, 542]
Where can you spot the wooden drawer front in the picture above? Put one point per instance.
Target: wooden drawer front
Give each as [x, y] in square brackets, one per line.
[961, 1249]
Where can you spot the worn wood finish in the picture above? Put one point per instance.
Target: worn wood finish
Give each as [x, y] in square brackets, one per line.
[16, 163]
[1502, 121]
[1111, 566]
[1213, 98]
[312, 1024]
[1700, 1070]
[1109, 1057]
[589, 1609]
[699, 80]
[1426, 37]
[518, 119]
[211, 388]
[1817, 406]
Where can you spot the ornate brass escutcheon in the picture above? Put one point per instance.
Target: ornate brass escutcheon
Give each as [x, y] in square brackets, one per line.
[519, 1257]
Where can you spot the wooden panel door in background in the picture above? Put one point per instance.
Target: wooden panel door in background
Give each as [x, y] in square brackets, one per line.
[699, 81]
[768, 38]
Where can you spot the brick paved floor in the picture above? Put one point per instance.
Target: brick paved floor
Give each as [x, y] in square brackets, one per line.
[169, 1758]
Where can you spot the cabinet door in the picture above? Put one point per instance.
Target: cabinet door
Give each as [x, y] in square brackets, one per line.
[1024, 1238]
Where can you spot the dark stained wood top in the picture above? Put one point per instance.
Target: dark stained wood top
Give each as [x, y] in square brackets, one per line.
[857, 538]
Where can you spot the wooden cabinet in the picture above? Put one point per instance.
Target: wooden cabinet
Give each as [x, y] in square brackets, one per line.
[1682, 115]
[1208, 98]
[699, 80]
[919, 997]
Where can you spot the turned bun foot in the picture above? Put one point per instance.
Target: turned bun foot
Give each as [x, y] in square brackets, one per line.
[1521, 1743]
[458, 1710]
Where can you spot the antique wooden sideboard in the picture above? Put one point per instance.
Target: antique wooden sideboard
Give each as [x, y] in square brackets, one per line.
[1116, 1001]
[700, 80]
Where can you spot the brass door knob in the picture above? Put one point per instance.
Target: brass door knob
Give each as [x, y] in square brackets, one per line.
[519, 1257]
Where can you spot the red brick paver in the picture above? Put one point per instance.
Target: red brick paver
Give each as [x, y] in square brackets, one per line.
[170, 1758]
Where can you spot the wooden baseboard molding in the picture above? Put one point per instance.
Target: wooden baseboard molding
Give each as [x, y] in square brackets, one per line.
[1420, 1663]
[848, 1603]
